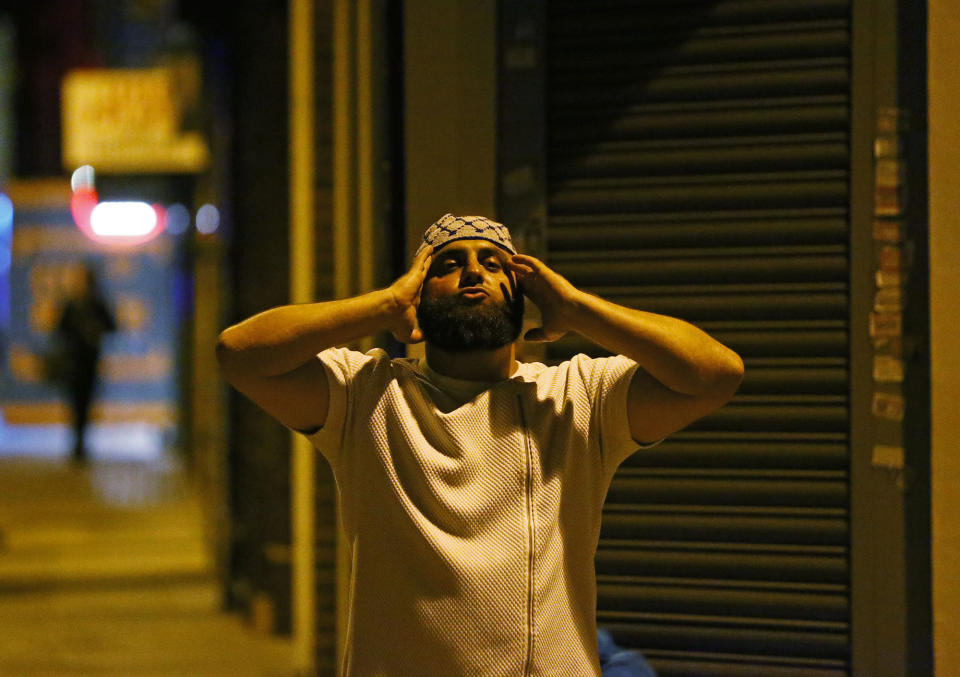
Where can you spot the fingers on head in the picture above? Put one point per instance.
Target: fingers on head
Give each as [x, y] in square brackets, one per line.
[523, 265]
[423, 270]
[525, 259]
[422, 259]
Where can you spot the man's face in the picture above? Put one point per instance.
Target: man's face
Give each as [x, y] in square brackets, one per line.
[469, 300]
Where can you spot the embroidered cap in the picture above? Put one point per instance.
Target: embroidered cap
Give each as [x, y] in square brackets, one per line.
[450, 228]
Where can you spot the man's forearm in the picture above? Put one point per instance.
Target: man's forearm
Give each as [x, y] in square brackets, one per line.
[281, 339]
[679, 355]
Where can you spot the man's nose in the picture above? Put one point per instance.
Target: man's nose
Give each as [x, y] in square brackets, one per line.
[472, 273]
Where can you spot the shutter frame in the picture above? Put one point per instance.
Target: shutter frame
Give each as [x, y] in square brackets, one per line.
[725, 550]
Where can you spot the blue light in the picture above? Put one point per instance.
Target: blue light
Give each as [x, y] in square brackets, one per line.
[6, 244]
[208, 219]
[6, 233]
[6, 216]
[178, 219]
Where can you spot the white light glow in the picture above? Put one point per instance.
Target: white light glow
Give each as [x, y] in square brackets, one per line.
[122, 219]
[208, 219]
[82, 177]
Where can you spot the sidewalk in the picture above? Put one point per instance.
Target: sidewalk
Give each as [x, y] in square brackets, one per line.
[103, 572]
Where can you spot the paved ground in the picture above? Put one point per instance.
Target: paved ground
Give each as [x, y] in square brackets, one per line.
[103, 572]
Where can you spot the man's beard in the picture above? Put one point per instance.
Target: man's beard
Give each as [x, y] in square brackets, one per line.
[456, 324]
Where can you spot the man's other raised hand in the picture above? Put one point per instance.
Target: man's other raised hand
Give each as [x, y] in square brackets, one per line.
[551, 292]
[405, 292]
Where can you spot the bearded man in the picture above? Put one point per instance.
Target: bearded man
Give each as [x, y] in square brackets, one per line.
[470, 485]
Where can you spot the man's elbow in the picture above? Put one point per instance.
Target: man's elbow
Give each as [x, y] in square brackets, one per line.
[730, 375]
[226, 352]
[721, 377]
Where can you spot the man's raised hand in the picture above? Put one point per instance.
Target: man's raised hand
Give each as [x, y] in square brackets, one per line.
[406, 297]
[550, 291]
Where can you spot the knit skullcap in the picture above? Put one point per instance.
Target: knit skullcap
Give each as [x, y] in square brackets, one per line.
[450, 228]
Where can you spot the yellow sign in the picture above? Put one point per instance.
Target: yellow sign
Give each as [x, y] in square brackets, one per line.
[128, 121]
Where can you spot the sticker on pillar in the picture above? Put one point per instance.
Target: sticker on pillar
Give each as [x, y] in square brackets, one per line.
[886, 146]
[889, 346]
[887, 231]
[887, 369]
[885, 325]
[885, 278]
[888, 301]
[888, 406]
[890, 259]
[887, 456]
[888, 201]
[889, 190]
[889, 173]
[894, 259]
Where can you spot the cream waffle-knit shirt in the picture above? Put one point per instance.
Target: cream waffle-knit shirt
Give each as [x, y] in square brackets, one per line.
[472, 521]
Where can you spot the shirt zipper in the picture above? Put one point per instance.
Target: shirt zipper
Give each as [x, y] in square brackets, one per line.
[531, 539]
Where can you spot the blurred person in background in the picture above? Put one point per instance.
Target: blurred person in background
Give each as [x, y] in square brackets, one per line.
[471, 484]
[84, 320]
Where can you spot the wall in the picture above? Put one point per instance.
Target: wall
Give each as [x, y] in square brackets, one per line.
[944, 93]
[260, 259]
[259, 447]
[450, 127]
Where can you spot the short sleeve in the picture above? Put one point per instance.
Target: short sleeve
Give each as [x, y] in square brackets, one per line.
[614, 375]
[345, 370]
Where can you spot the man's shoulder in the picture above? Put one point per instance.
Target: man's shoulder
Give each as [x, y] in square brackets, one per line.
[579, 371]
[351, 363]
[578, 361]
[539, 371]
[375, 364]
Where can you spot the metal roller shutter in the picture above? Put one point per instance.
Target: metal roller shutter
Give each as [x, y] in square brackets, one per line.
[697, 166]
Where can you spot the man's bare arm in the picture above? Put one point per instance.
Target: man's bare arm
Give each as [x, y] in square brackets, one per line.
[685, 374]
[272, 357]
